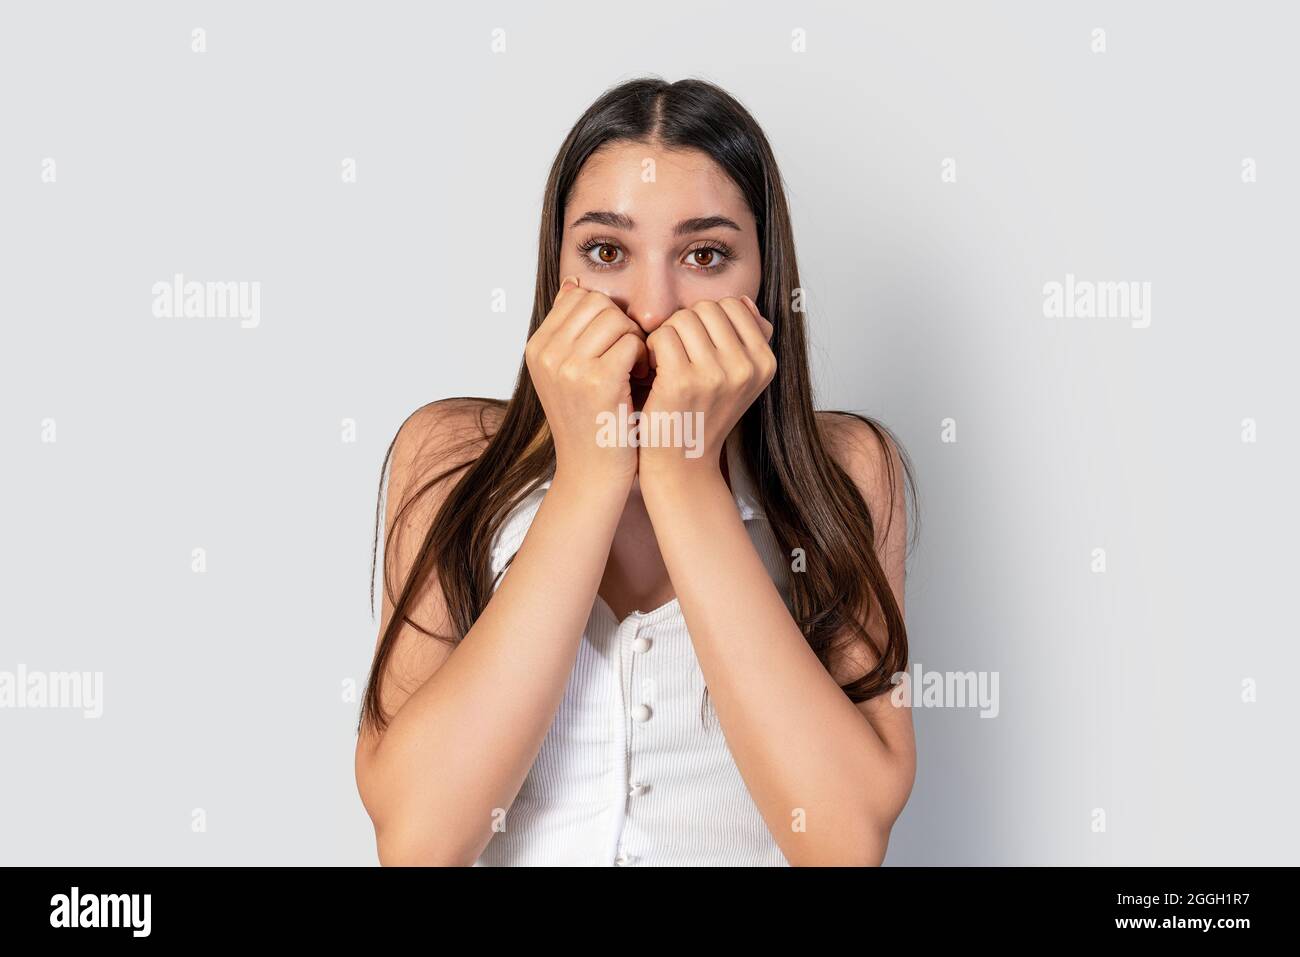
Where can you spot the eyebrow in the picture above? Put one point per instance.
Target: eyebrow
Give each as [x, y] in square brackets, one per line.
[614, 220]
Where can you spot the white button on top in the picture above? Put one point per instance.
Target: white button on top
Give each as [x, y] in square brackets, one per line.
[624, 859]
[641, 644]
[641, 712]
[638, 789]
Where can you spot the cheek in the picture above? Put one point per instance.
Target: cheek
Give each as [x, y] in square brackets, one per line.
[735, 281]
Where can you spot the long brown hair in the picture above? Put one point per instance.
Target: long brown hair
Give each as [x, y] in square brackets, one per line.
[810, 502]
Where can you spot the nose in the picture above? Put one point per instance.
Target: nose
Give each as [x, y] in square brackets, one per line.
[651, 298]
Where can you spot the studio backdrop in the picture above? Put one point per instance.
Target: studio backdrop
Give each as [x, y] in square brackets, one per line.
[1052, 246]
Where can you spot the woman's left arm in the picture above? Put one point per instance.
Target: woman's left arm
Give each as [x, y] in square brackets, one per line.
[829, 777]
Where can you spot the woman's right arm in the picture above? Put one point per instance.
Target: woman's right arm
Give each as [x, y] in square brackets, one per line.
[468, 721]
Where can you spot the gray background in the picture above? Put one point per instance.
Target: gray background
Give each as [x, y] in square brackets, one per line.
[223, 691]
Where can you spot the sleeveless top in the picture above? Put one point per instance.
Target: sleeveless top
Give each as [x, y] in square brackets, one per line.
[628, 774]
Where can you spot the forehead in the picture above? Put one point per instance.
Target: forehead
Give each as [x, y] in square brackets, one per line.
[657, 187]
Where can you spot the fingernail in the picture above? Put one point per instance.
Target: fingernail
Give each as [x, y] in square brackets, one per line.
[750, 302]
[569, 281]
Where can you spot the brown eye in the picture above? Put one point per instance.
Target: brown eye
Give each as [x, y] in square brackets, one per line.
[607, 253]
[710, 258]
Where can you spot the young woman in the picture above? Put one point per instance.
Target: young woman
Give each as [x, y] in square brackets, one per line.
[679, 653]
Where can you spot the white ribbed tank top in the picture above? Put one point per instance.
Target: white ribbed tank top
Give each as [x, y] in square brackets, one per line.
[628, 775]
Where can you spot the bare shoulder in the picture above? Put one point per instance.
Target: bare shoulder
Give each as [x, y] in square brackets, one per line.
[425, 460]
[871, 455]
[445, 433]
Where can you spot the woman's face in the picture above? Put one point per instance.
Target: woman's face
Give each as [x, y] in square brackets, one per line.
[658, 230]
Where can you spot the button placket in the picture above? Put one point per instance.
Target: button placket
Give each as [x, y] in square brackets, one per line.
[641, 712]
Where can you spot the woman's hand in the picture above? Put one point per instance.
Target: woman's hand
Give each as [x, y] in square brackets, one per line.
[581, 359]
[711, 362]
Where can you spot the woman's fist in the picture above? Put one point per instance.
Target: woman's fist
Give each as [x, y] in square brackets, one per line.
[711, 362]
[581, 360]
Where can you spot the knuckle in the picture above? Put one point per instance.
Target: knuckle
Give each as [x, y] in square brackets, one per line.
[601, 300]
[612, 313]
[742, 373]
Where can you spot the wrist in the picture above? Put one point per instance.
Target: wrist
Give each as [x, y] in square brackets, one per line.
[676, 476]
[596, 484]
